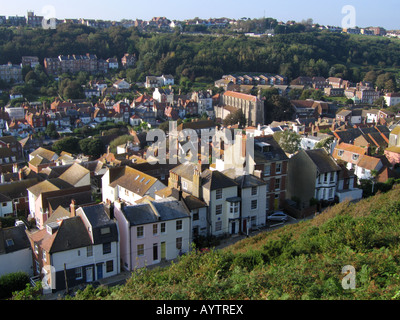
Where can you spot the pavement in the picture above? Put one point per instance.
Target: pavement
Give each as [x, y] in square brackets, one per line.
[122, 277]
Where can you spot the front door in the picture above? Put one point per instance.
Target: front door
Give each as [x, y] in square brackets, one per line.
[89, 274]
[99, 271]
[163, 250]
[233, 227]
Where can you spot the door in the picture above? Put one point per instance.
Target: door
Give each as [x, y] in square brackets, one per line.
[233, 227]
[99, 271]
[155, 252]
[244, 226]
[89, 274]
[163, 251]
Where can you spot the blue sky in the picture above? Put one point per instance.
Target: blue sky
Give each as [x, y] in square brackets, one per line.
[368, 12]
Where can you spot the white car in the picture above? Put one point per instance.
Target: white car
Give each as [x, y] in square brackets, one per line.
[278, 216]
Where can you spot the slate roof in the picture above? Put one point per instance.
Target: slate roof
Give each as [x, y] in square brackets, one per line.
[159, 210]
[244, 180]
[19, 239]
[74, 174]
[323, 160]
[368, 162]
[72, 234]
[98, 219]
[214, 180]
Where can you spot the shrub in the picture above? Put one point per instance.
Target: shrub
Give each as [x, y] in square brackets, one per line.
[12, 282]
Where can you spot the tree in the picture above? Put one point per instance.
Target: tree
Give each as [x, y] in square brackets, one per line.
[237, 117]
[289, 141]
[68, 144]
[92, 147]
[51, 131]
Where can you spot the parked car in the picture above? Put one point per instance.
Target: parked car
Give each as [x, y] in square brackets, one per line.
[278, 216]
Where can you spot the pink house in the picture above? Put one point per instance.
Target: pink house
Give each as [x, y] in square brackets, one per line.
[393, 155]
[152, 231]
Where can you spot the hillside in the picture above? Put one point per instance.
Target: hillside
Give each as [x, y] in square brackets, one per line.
[301, 261]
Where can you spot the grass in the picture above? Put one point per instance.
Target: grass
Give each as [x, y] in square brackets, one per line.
[301, 261]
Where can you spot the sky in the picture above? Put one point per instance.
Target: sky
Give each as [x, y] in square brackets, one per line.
[367, 13]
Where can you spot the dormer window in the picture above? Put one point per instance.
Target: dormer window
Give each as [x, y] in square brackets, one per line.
[340, 153]
[355, 156]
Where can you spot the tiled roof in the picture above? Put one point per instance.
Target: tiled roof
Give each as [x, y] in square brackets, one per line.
[368, 162]
[240, 96]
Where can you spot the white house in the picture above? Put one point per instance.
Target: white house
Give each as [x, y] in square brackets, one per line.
[113, 63]
[365, 167]
[127, 184]
[392, 99]
[252, 191]
[122, 85]
[6, 206]
[79, 247]
[15, 251]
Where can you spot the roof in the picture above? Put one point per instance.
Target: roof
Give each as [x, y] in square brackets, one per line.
[192, 202]
[74, 174]
[131, 179]
[214, 180]
[81, 198]
[72, 234]
[99, 220]
[155, 211]
[238, 95]
[244, 180]
[186, 170]
[18, 237]
[44, 153]
[396, 130]
[368, 162]
[351, 149]
[323, 160]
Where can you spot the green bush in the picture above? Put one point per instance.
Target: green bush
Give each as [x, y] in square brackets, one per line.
[12, 282]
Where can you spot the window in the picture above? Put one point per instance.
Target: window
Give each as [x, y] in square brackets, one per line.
[140, 250]
[36, 249]
[267, 170]
[278, 168]
[218, 226]
[254, 191]
[332, 177]
[9, 242]
[105, 231]
[325, 178]
[340, 153]
[179, 243]
[107, 248]
[277, 184]
[163, 227]
[78, 273]
[253, 204]
[355, 157]
[44, 255]
[330, 193]
[218, 209]
[140, 232]
[89, 251]
[155, 229]
[179, 225]
[184, 185]
[196, 215]
[110, 266]
[218, 194]
[234, 208]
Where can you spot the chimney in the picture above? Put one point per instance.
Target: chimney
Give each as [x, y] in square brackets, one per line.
[196, 183]
[73, 208]
[20, 175]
